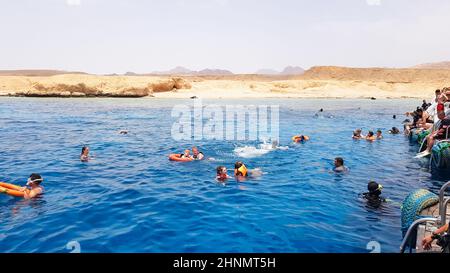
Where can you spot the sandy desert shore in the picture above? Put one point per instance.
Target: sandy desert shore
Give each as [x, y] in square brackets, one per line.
[317, 82]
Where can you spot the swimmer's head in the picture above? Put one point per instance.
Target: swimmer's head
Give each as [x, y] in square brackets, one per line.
[394, 130]
[221, 170]
[238, 164]
[195, 150]
[187, 152]
[240, 169]
[370, 134]
[85, 150]
[338, 162]
[379, 132]
[374, 188]
[222, 173]
[34, 179]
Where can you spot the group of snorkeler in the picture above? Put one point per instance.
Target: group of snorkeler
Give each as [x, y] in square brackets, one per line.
[357, 135]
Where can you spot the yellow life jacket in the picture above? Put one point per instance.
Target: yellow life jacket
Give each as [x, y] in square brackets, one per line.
[242, 170]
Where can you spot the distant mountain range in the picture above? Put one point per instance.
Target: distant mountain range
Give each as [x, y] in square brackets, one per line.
[289, 70]
[179, 70]
[438, 65]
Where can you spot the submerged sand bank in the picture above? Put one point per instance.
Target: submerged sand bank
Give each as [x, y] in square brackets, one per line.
[318, 82]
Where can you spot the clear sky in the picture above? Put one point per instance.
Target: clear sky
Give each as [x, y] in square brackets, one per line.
[115, 36]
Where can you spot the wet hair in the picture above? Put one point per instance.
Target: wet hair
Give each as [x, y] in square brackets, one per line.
[36, 178]
[370, 133]
[84, 149]
[220, 169]
[379, 131]
[340, 161]
[394, 130]
[238, 164]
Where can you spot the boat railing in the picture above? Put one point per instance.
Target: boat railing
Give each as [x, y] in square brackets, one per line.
[412, 228]
[443, 202]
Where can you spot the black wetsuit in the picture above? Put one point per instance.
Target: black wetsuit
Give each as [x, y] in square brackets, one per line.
[373, 200]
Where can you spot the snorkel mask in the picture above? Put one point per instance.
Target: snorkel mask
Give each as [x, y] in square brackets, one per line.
[377, 190]
[31, 182]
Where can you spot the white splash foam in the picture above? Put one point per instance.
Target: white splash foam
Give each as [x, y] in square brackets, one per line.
[262, 149]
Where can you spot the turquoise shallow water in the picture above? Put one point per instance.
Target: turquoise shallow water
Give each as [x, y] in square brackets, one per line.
[132, 199]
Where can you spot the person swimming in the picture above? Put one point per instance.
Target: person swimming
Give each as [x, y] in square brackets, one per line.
[373, 196]
[221, 173]
[33, 187]
[394, 131]
[370, 136]
[186, 154]
[196, 154]
[379, 134]
[84, 157]
[300, 138]
[123, 132]
[339, 166]
[241, 171]
[357, 134]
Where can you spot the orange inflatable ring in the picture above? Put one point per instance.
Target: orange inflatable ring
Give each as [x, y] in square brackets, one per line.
[11, 189]
[177, 157]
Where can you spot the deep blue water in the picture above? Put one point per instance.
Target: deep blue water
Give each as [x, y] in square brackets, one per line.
[132, 199]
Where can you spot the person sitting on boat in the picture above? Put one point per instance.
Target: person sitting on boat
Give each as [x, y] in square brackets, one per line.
[187, 154]
[408, 125]
[84, 157]
[379, 134]
[370, 136]
[424, 121]
[196, 154]
[357, 134]
[436, 235]
[222, 174]
[339, 165]
[373, 196]
[394, 131]
[439, 134]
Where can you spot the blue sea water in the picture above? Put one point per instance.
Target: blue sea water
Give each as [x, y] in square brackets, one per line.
[130, 198]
